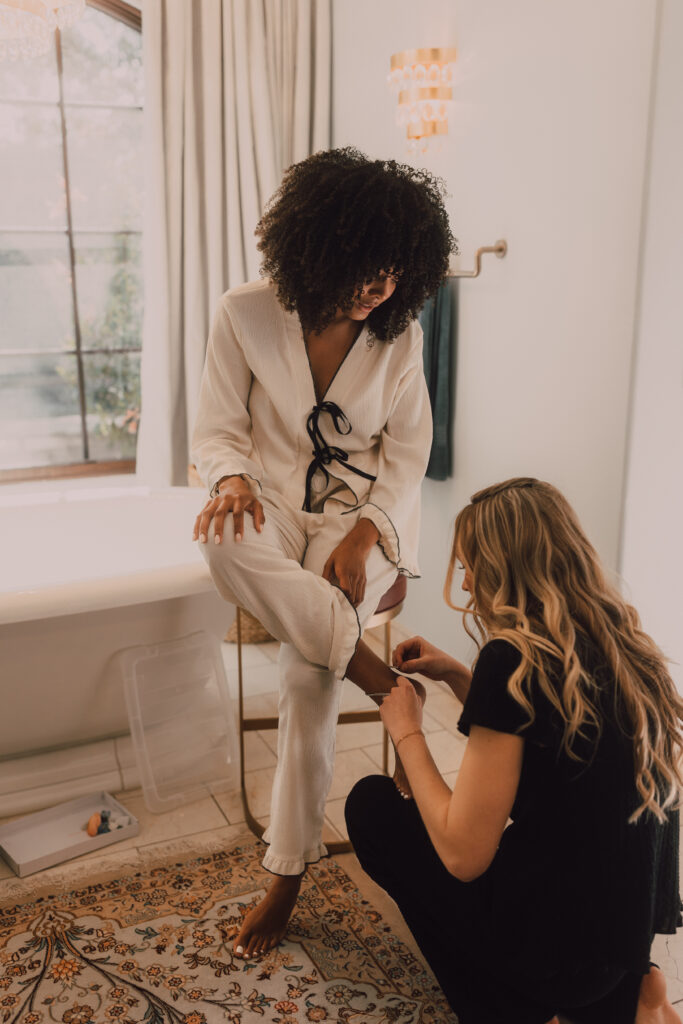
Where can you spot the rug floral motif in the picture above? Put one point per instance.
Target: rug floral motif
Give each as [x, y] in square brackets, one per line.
[156, 948]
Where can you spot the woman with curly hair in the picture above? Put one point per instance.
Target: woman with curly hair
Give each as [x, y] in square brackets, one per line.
[314, 420]
[574, 733]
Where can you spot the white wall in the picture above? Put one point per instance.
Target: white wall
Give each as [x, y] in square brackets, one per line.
[652, 563]
[547, 150]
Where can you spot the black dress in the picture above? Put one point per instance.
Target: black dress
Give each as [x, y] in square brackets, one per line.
[564, 917]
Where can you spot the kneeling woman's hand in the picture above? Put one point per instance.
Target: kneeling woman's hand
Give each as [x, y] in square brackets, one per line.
[418, 655]
[234, 496]
[401, 710]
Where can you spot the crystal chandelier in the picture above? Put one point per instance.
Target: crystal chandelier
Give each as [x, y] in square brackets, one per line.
[27, 26]
[423, 80]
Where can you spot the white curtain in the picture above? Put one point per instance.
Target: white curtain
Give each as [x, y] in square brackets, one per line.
[235, 92]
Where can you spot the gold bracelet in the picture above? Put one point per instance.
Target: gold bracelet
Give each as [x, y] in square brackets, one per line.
[415, 732]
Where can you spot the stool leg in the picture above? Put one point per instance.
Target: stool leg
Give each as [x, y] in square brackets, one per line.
[385, 734]
[240, 694]
[255, 826]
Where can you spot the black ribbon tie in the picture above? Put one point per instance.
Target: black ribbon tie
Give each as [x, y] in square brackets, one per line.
[323, 453]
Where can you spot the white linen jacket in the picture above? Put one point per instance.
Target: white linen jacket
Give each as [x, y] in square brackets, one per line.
[364, 447]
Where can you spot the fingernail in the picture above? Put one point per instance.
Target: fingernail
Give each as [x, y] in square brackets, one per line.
[217, 539]
[202, 537]
[240, 950]
[238, 537]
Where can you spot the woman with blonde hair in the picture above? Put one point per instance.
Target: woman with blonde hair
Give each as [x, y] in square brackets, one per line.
[574, 733]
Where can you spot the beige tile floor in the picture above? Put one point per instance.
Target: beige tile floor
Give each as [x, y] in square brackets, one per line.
[219, 820]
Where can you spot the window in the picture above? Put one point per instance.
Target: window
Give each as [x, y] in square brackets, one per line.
[70, 249]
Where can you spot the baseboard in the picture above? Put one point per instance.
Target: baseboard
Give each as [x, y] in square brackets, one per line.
[41, 780]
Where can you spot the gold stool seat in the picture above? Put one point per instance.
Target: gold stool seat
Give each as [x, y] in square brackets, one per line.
[388, 608]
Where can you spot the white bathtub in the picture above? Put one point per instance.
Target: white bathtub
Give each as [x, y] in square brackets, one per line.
[83, 574]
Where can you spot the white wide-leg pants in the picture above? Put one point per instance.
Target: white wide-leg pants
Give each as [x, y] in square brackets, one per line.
[276, 575]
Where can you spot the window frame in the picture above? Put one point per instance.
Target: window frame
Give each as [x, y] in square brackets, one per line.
[132, 17]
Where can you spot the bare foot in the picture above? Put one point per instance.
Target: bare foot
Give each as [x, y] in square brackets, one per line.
[653, 1005]
[266, 924]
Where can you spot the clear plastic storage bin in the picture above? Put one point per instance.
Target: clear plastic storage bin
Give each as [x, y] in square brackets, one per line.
[181, 719]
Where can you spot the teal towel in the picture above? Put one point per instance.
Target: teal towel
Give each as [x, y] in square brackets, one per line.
[439, 322]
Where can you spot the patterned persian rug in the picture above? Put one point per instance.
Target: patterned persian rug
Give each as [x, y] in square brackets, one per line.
[155, 947]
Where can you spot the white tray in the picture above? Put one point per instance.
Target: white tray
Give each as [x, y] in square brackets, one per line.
[48, 837]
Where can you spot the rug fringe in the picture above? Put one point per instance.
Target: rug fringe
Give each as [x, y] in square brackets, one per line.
[80, 874]
[199, 846]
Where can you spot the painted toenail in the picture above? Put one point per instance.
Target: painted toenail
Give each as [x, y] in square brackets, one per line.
[240, 950]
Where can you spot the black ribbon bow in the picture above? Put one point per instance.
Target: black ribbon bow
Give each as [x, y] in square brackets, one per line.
[323, 453]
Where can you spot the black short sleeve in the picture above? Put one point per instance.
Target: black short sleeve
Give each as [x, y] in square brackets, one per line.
[488, 702]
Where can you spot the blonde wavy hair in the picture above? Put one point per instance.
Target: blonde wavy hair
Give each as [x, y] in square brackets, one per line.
[538, 583]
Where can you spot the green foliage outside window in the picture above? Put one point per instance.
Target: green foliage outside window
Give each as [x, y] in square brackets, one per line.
[113, 378]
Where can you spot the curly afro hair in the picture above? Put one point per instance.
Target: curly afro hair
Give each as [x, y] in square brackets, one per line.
[338, 220]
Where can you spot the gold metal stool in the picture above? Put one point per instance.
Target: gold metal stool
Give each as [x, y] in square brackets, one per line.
[388, 608]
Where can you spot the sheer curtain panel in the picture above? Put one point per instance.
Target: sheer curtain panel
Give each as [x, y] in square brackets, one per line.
[235, 92]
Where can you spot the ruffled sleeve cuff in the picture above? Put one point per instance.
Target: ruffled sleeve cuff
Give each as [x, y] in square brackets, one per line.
[388, 537]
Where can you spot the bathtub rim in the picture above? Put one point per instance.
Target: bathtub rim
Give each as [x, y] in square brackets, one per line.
[111, 589]
[95, 595]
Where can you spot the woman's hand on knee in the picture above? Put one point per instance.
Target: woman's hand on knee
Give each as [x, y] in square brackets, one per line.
[346, 564]
[234, 496]
[346, 568]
